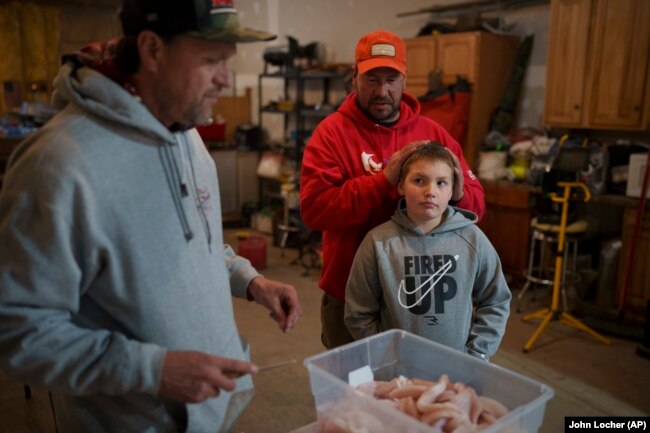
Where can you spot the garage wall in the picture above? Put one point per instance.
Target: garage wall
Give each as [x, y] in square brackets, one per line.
[339, 24]
[33, 34]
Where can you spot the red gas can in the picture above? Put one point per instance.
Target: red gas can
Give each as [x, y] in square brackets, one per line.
[254, 249]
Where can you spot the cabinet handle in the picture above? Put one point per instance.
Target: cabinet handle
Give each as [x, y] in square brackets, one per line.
[576, 107]
[637, 108]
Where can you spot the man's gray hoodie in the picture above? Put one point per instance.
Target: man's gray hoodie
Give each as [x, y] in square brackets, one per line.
[111, 254]
[446, 285]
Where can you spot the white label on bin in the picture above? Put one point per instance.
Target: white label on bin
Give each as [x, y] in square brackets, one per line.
[360, 375]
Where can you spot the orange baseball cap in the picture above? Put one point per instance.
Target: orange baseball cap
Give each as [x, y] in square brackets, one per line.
[380, 49]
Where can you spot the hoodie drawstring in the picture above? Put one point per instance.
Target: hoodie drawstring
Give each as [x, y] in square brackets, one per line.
[176, 186]
[185, 147]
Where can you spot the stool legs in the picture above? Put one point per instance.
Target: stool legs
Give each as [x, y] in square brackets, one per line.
[524, 289]
[535, 274]
[283, 242]
[521, 295]
[286, 227]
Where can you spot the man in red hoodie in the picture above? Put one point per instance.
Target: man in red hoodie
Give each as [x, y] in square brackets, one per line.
[351, 166]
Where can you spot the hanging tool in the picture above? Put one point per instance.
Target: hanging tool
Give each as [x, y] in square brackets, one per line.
[629, 268]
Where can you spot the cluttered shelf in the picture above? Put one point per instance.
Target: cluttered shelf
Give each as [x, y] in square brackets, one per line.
[614, 221]
[293, 104]
[305, 111]
[510, 207]
[618, 200]
[520, 187]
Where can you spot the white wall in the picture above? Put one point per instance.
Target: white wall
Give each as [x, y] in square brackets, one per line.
[339, 23]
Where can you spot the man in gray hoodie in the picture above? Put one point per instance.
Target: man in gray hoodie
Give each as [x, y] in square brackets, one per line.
[115, 283]
[429, 270]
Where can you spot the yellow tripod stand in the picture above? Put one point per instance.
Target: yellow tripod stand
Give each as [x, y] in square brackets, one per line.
[554, 313]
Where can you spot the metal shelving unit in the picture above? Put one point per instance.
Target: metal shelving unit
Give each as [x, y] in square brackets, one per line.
[304, 116]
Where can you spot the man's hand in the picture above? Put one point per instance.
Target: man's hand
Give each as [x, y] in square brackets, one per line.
[193, 377]
[459, 180]
[279, 298]
[394, 165]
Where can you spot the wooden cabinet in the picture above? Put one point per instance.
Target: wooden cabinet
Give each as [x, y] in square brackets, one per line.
[509, 209]
[597, 68]
[568, 43]
[483, 59]
[420, 64]
[458, 54]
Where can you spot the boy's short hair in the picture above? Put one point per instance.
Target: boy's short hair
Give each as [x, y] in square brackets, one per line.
[432, 151]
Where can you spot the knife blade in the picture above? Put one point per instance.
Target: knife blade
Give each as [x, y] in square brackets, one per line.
[268, 367]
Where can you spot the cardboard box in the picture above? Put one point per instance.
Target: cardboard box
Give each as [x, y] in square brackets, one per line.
[253, 248]
[635, 173]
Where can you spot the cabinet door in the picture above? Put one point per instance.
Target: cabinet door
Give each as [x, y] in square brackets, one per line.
[457, 55]
[619, 61]
[420, 63]
[567, 61]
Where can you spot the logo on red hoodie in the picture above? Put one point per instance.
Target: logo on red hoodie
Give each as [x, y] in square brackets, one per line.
[222, 7]
[369, 164]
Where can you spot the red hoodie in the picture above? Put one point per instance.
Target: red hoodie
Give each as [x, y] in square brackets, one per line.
[344, 192]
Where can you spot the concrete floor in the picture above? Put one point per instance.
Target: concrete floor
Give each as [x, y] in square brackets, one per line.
[589, 378]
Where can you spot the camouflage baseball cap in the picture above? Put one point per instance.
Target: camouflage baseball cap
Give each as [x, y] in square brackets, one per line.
[207, 19]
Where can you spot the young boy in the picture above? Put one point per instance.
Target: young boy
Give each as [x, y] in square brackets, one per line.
[430, 270]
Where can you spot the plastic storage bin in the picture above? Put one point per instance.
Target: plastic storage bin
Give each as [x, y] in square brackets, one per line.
[254, 249]
[396, 352]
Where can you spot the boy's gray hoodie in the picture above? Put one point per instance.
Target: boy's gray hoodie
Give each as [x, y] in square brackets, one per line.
[111, 253]
[446, 285]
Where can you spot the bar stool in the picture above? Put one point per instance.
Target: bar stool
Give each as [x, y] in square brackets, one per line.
[543, 236]
[290, 200]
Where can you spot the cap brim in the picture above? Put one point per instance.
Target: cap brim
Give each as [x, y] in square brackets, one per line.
[238, 34]
[380, 62]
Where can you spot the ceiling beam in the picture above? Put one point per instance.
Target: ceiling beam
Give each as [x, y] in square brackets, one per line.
[481, 6]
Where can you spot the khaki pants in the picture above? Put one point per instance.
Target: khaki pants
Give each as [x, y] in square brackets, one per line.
[334, 333]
